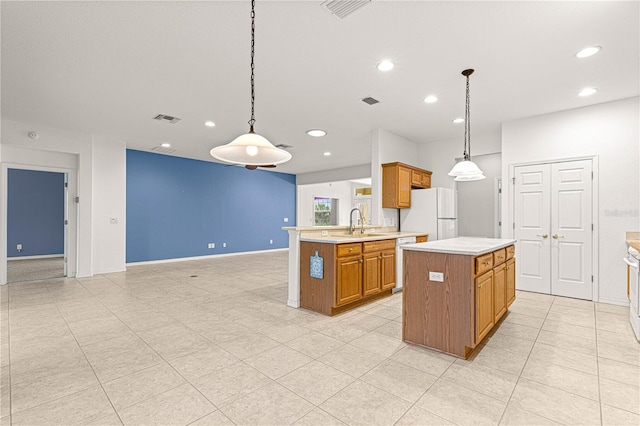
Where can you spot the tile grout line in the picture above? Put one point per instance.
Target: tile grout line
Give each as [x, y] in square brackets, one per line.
[84, 355]
[525, 365]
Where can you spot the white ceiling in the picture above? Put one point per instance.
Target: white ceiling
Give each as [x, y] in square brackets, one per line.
[108, 67]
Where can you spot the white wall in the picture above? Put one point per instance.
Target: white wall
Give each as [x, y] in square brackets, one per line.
[387, 147]
[477, 200]
[334, 175]
[45, 151]
[109, 201]
[609, 131]
[306, 193]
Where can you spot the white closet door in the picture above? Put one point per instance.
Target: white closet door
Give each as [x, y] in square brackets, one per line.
[571, 241]
[532, 224]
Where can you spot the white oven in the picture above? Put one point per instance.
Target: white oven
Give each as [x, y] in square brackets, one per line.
[633, 260]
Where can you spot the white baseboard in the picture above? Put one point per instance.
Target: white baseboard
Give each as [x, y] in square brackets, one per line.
[211, 256]
[43, 256]
[619, 302]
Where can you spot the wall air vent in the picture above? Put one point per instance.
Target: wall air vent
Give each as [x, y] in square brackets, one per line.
[283, 146]
[342, 8]
[163, 150]
[166, 118]
[370, 101]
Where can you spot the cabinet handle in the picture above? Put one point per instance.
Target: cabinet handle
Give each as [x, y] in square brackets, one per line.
[485, 263]
[360, 260]
[350, 249]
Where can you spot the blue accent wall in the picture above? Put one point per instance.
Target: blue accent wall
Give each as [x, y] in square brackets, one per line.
[177, 206]
[35, 212]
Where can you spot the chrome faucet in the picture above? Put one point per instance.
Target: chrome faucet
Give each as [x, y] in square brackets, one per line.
[351, 226]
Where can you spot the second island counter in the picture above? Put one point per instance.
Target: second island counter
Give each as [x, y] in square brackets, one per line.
[455, 291]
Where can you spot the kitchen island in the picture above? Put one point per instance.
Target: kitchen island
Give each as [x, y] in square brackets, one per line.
[332, 271]
[455, 291]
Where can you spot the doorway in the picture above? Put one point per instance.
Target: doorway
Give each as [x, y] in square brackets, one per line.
[37, 224]
[553, 226]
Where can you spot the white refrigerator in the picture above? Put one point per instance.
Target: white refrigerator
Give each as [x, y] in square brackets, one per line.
[433, 211]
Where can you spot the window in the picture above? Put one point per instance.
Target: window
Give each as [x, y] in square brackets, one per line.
[325, 211]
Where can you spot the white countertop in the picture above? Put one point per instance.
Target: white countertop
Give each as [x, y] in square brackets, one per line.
[357, 237]
[462, 245]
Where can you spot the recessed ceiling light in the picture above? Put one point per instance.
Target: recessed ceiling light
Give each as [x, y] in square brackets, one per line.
[588, 51]
[385, 65]
[316, 133]
[431, 99]
[210, 124]
[326, 154]
[587, 91]
[166, 145]
[458, 120]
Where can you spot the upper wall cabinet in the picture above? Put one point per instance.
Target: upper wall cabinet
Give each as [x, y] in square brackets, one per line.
[398, 180]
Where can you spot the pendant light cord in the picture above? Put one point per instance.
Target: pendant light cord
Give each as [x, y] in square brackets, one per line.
[467, 126]
[253, 44]
[467, 118]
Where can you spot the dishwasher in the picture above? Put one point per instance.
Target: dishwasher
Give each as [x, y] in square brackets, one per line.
[400, 242]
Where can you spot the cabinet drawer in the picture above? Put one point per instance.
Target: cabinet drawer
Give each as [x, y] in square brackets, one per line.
[348, 249]
[511, 251]
[484, 263]
[421, 239]
[499, 256]
[381, 245]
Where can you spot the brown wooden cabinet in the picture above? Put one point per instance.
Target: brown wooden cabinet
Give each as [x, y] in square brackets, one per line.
[484, 305]
[379, 266]
[421, 238]
[398, 179]
[499, 291]
[510, 276]
[453, 310]
[354, 273]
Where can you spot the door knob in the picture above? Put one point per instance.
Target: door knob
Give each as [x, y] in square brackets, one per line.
[543, 235]
[556, 236]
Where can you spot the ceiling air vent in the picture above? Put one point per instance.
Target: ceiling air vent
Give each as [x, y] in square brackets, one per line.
[342, 8]
[163, 150]
[283, 146]
[370, 101]
[166, 118]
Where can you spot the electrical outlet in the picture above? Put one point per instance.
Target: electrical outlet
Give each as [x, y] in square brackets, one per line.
[211, 245]
[19, 247]
[324, 233]
[372, 230]
[270, 241]
[286, 219]
[436, 276]
[224, 244]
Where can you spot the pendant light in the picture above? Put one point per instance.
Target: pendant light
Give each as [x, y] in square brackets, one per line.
[251, 149]
[466, 170]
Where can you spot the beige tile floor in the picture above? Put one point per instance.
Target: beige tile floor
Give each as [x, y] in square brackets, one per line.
[211, 342]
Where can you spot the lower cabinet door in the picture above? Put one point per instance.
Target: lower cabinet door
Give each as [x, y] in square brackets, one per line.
[388, 269]
[371, 274]
[499, 291]
[484, 305]
[511, 281]
[348, 288]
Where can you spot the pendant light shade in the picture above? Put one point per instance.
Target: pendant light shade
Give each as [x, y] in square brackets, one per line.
[470, 178]
[251, 149]
[466, 170]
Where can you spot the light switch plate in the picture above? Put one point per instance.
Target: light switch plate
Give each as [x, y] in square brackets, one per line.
[436, 276]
